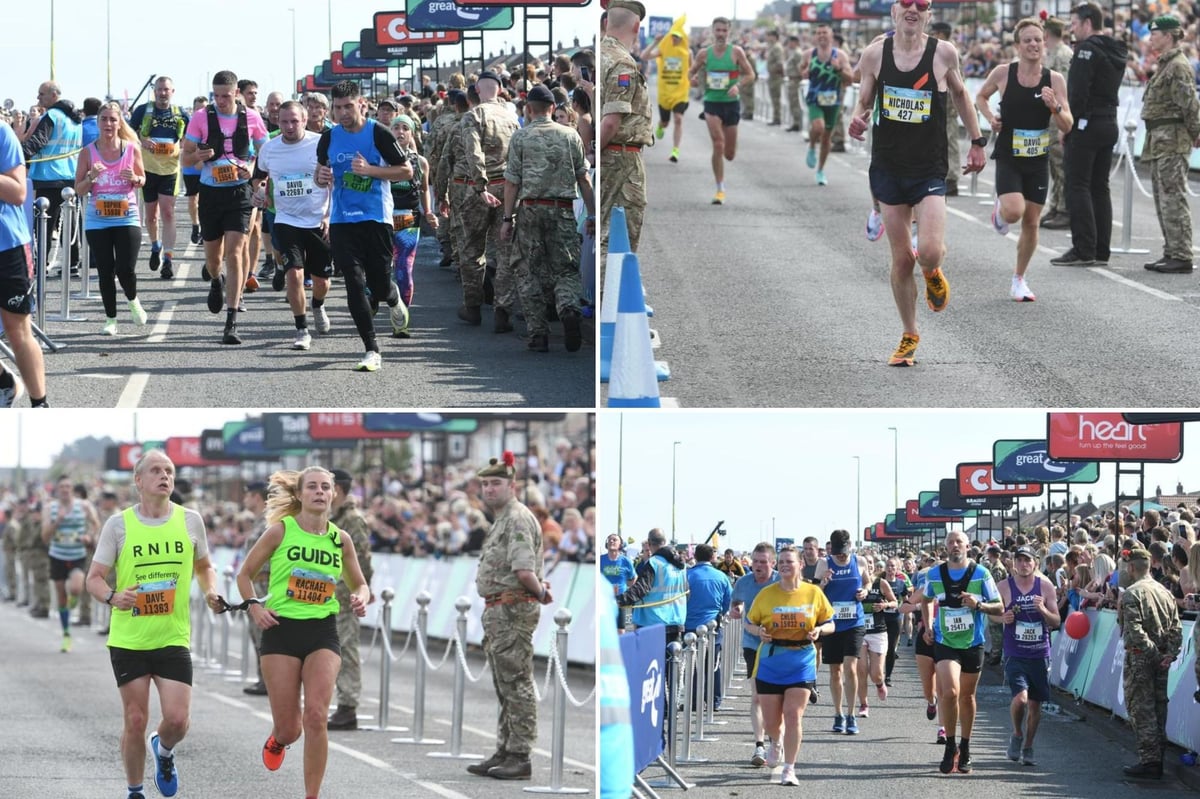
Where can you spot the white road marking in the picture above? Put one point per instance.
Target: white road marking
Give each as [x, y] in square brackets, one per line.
[1153, 292]
[131, 395]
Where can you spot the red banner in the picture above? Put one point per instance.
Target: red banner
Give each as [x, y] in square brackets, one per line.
[345, 425]
[912, 515]
[977, 480]
[845, 9]
[338, 65]
[390, 31]
[186, 452]
[1108, 437]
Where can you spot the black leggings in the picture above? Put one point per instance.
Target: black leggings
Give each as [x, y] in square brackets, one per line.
[363, 253]
[893, 633]
[115, 250]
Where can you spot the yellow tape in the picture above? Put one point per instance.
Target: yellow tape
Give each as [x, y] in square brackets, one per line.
[673, 599]
[59, 157]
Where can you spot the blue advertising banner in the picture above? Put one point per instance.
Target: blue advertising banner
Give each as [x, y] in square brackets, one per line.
[354, 59]
[644, 652]
[441, 15]
[1029, 462]
[416, 422]
[246, 441]
[658, 26]
[930, 505]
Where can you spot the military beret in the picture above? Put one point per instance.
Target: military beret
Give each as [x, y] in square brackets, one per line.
[630, 5]
[502, 467]
[487, 73]
[454, 94]
[1166, 22]
[540, 94]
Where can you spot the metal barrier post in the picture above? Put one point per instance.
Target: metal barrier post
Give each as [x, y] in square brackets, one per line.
[67, 214]
[385, 666]
[1127, 212]
[676, 658]
[710, 695]
[42, 216]
[689, 670]
[462, 605]
[562, 617]
[704, 677]
[85, 257]
[226, 623]
[418, 736]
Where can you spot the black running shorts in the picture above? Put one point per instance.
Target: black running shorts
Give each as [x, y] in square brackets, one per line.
[160, 185]
[299, 638]
[664, 113]
[1032, 180]
[61, 569]
[191, 185]
[971, 659]
[303, 248]
[224, 209]
[16, 280]
[729, 113]
[843, 644]
[170, 663]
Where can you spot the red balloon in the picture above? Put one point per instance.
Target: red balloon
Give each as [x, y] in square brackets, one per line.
[1077, 625]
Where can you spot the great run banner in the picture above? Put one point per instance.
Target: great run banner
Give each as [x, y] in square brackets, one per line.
[644, 652]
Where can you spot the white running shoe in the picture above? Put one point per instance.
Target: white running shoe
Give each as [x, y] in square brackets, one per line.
[371, 362]
[773, 755]
[303, 340]
[760, 755]
[398, 314]
[110, 327]
[998, 223]
[10, 395]
[322, 319]
[137, 312]
[1020, 290]
[874, 225]
[788, 776]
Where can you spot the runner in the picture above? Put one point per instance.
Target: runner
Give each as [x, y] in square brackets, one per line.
[191, 184]
[151, 627]
[411, 203]
[727, 70]
[220, 142]
[300, 650]
[901, 588]
[963, 591]
[827, 69]
[288, 163]
[109, 171]
[618, 569]
[365, 158]
[674, 58]
[845, 577]
[160, 126]
[69, 527]
[1031, 96]
[908, 159]
[923, 650]
[879, 600]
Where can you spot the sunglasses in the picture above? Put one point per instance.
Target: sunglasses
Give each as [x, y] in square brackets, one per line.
[921, 5]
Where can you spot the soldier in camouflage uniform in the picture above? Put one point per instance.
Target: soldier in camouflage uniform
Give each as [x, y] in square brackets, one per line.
[510, 581]
[254, 501]
[545, 166]
[1153, 635]
[746, 93]
[10, 551]
[35, 562]
[485, 131]
[439, 135]
[349, 518]
[1172, 114]
[624, 125]
[792, 67]
[995, 627]
[1058, 58]
[450, 178]
[775, 72]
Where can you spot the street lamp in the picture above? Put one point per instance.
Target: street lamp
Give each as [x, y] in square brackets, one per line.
[895, 467]
[858, 497]
[674, 449]
[292, 11]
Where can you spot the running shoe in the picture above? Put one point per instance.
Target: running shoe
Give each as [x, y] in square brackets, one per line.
[941, 736]
[196, 234]
[931, 711]
[881, 691]
[272, 754]
[864, 711]
[278, 278]
[821, 179]
[303, 340]
[1014, 748]
[674, 155]
[718, 198]
[874, 225]
[308, 282]
[136, 795]
[773, 755]
[230, 335]
[906, 353]
[937, 290]
[887, 681]
[155, 258]
[839, 723]
[398, 314]
[267, 269]
[11, 393]
[251, 284]
[168, 268]
[370, 362]
[964, 758]
[322, 319]
[810, 160]
[788, 776]
[1020, 290]
[216, 294]
[659, 131]
[110, 327]
[760, 755]
[136, 312]
[948, 757]
[66, 643]
[998, 223]
[166, 776]
[814, 695]
[851, 725]
[1027, 757]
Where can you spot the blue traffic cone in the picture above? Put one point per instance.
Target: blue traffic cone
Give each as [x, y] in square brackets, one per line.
[618, 246]
[632, 382]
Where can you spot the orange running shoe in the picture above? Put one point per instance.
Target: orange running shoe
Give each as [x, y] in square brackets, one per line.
[272, 754]
[906, 353]
[937, 290]
[251, 284]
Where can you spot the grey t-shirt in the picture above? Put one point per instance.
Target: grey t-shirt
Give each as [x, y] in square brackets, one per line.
[112, 535]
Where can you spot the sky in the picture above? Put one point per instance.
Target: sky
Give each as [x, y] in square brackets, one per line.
[794, 471]
[190, 41]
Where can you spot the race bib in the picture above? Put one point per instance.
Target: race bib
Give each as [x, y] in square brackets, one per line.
[907, 105]
[112, 206]
[718, 81]
[827, 98]
[1030, 143]
[155, 599]
[225, 173]
[672, 68]
[294, 185]
[845, 611]
[162, 147]
[309, 586]
[1029, 632]
[355, 182]
[790, 617]
[958, 620]
[403, 221]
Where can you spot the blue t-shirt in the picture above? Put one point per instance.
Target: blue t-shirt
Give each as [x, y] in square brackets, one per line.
[91, 130]
[709, 594]
[14, 227]
[618, 571]
[357, 198]
[745, 590]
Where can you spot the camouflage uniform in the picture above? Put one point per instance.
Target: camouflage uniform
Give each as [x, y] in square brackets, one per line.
[485, 131]
[544, 160]
[775, 80]
[35, 562]
[995, 627]
[514, 542]
[1152, 632]
[622, 173]
[792, 66]
[262, 586]
[746, 90]
[1172, 114]
[349, 680]
[1059, 60]
[10, 558]
[450, 184]
[439, 136]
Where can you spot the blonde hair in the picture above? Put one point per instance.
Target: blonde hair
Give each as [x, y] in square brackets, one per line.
[283, 498]
[1026, 23]
[124, 132]
[1193, 567]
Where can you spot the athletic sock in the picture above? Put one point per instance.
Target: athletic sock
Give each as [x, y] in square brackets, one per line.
[164, 751]
[318, 303]
[758, 743]
[231, 316]
[64, 616]
[721, 185]
[302, 321]
[38, 402]
[135, 789]
[169, 254]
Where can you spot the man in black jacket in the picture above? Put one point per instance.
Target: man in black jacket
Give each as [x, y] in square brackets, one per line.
[1092, 85]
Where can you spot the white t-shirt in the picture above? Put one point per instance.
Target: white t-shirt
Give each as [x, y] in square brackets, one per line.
[299, 201]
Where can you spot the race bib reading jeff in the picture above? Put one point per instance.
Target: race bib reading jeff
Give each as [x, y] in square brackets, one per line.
[1030, 143]
[907, 105]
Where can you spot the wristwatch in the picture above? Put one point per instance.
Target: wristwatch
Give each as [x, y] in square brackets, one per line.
[980, 142]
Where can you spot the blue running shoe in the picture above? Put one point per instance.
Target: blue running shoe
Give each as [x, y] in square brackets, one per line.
[851, 725]
[821, 179]
[166, 776]
[838, 723]
[811, 159]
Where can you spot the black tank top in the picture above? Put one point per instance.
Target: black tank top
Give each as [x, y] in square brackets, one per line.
[909, 139]
[878, 624]
[406, 194]
[1025, 130]
[809, 573]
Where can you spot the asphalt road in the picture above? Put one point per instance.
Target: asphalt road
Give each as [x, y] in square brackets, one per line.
[62, 728]
[776, 299]
[177, 359]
